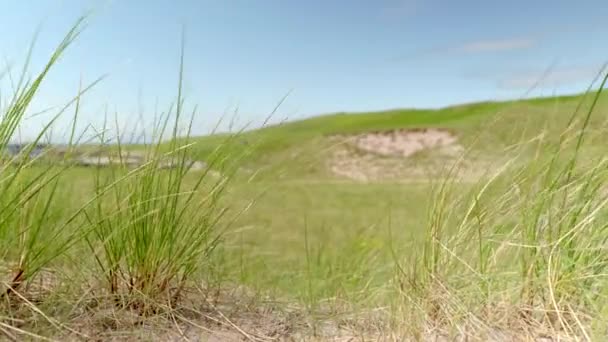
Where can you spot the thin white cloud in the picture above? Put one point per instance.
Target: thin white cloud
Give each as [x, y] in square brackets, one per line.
[477, 47]
[497, 45]
[555, 78]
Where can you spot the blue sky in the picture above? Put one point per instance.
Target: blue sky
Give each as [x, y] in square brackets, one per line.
[335, 55]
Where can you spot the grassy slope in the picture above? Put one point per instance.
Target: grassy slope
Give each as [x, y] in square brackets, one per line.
[527, 249]
[344, 219]
[277, 138]
[269, 238]
[484, 126]
[310, 238]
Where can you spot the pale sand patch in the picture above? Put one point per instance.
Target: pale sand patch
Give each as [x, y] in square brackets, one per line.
[404, 143]
[392, 155]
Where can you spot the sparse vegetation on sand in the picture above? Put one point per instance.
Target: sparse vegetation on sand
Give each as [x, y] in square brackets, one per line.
[501, 238]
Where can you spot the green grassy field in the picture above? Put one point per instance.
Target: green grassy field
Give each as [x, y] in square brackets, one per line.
[274, 245]
[296, 149]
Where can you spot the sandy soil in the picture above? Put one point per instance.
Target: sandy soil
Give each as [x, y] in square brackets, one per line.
[405, 143]
[241, 315]
[398, 155]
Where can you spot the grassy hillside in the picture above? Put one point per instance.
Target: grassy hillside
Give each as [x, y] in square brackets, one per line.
[299, 148]
[514, 250]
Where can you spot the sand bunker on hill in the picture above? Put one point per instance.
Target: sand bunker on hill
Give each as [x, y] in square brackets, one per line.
[394, 155]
